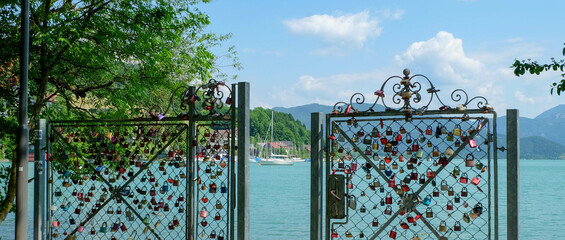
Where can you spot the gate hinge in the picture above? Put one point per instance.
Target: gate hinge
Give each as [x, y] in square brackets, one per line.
[502, 149]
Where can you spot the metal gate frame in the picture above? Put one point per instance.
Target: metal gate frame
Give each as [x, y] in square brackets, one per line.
[398, 110]
[198, 132]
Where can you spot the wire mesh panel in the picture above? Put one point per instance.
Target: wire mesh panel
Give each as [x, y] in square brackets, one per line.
[213, 171]
[118, 180]
[148, 178]
[411, 176]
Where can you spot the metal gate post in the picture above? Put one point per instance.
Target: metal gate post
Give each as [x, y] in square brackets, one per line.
[513, 173]
[316, 161]
[39, 212]
[243, 161]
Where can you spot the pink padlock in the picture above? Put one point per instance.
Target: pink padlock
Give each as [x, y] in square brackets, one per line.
[472, 143]
[203, 212]
[80, 228]
[476, 180]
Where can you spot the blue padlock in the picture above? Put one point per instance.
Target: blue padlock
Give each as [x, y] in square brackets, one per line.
[427, 200]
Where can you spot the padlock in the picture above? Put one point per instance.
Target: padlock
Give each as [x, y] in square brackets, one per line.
[367, 140]
[391, 183]
[466, 218]
[449, 205]
[456, 171]
[164, 188]
[430, 173]
[435, 192]
[123, 227]
[375, 222]
[388, 171]
[464, 192]
[388, 159]
[457, 143]
[382, 165]
[93, 231]
[457, 226]
[457, 198]
[427, 200]
[463, 178]
[115, 227]
[472, 143]
[443, 160]
[442, 226]
[450, 191]
[470, 160]
[476, 180]
[478, 209]
[382, 202]
[368, 176]
[435, 151]
[353, 165]
[403, 225]
[204, 223]
[449, 137]
[407, 179]
[72, 221]
[410, 219]
[429, 212]
[349, 184]
[104, 227]
[363, 209]
[348, 234]
[394, 165]
[429, 130]
[388, 198]
[388, 131]
[392, 233]
[388, 210]
[217, 217]
[118, 210]
[430, 144]
[422, 179]
[414, 175]
[203, 212]
[443, 185]
[457, 130]
[58, 192]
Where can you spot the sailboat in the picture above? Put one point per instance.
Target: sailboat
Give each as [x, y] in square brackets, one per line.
[274, 159]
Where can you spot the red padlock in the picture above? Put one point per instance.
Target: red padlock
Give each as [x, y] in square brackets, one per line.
[403, 225]
[388, 199]
[392, 233]
[476, 180]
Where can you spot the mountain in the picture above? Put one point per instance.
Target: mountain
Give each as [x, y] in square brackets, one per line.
[542, 137]
[549, 124]
[557, 112]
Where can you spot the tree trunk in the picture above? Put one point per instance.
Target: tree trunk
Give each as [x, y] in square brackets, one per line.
[8, 202]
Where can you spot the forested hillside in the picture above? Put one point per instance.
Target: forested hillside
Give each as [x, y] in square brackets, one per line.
[286, 128]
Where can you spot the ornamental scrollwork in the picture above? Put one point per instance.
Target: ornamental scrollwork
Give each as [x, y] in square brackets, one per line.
[408, 97]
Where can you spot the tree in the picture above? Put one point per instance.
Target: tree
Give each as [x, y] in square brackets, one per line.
[533, 67]
[125, 57]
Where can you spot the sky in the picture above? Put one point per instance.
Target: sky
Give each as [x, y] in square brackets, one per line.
[297, 52]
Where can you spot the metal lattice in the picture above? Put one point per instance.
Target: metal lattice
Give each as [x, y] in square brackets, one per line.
[411, 173]
[150, 178]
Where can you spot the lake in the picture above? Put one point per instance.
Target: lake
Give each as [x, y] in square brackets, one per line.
[280, 204]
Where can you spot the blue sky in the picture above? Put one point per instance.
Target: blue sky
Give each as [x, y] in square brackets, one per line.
[299, 52]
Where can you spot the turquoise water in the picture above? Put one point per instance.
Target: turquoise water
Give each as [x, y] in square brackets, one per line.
[280, 201]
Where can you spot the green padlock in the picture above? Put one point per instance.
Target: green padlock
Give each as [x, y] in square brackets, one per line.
[104, 228]
[146, 219]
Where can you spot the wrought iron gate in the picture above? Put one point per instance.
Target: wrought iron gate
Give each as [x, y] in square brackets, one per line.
[149, 178]
[405, 171]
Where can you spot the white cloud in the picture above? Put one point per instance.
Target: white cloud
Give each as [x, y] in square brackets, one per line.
[344, 30]
[395, 15]
[523, 98]
[444, 55]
